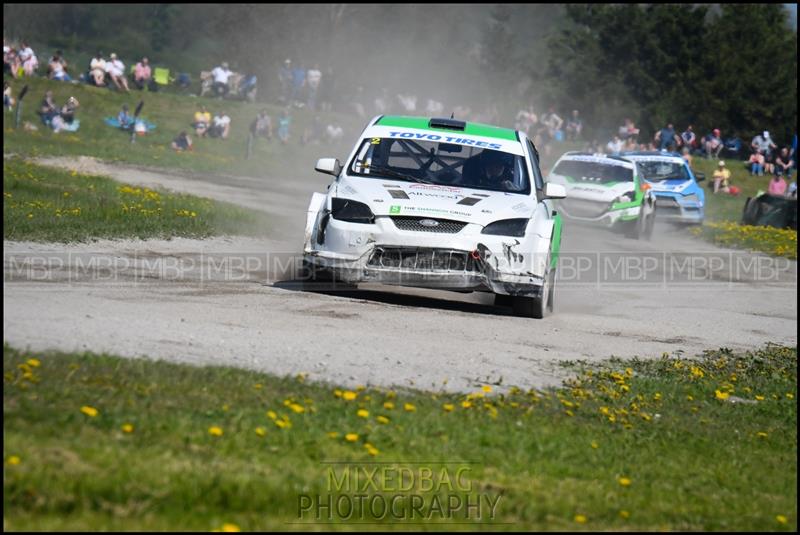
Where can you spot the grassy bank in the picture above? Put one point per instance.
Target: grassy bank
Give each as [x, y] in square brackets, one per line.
[97, 442]
[770, 240]
[46, 204]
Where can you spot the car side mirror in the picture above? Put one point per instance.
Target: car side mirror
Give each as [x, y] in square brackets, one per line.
[699, 176]
[554, 191]
[330, 166]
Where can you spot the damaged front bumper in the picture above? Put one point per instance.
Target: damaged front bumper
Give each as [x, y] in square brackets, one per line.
[466, 261]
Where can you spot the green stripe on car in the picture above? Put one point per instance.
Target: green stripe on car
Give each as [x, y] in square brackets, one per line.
[472, 129]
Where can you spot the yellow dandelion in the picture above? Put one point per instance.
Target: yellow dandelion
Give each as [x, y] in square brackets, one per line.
[333, 434]
[351, 437]
[789, 395]
[388, 405]
[230, 528]
[260, 431]
[382, 420]
[349, 395]
[283, 424]
[271, 415]
[721, 395]
[580, 519]
[689, 398]
[624, 481]
[595, 445]
[448, 407]
[760, 398]
[215, 431]
[258, 386]
[363, 413]
[372, 450]
[781, 519]
[657, 396]
[697, 372]
[33, 363]
[761, 434]
[337, 393]
[569, 413]
[466, 404]
[486, 388]
[299, 409]
[409, 407]
[624, 515]
[13, 460]
[127, 428]
[89, 411]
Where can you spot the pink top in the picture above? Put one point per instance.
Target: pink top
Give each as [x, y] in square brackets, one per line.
[141, 72]
[777, 187]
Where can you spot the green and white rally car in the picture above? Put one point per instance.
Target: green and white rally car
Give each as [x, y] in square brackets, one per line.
[608, 190]
[439, 203]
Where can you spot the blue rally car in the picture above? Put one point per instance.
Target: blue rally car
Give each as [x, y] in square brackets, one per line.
[679, 197]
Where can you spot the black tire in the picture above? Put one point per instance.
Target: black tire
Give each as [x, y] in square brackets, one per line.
[650, 224]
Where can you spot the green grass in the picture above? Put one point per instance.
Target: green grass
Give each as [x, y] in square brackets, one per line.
[46, 204]
[693, 461]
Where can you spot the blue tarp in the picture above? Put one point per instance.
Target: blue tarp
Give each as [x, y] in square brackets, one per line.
[113, 121]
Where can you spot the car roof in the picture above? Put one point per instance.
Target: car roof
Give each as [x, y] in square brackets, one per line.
[599, 157]
[653, 155]
[470, 128]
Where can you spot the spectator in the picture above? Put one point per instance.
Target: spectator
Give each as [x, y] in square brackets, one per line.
[628, 130]
[48, 108]
[28, 59]
[116, 71]
[68, 110]
[667, 139]
[298, 86]
[764, 143]
[57, 68]
[202, 120]
[182, 143]
[574, 126]
[629, 144]
[8, 100]
[713, 144]
[313, 77]
[124, 118]
[285, 78]
[686, 154]
[283, 126]
[756, 163]
[262, 125]
[688, 138]
[97, 70]
[777, 186]
[11, 63]
[221, 74]
[334, 133]
[615, 145]
[784, 163]
[328, 90]
[434, 108]
[220, 126]
[382, 102]
[721, 178]
[792, 191]
[553, 123]
[143, 76]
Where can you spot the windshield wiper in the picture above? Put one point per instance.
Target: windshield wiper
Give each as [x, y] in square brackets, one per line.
[389, 172]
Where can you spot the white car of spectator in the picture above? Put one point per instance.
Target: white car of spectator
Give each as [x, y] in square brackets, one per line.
[439, 203]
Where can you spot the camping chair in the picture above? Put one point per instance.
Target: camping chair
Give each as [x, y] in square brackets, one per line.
[161, 76]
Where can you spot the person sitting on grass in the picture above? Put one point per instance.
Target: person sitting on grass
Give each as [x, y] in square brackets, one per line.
[8, 99]
[202, 120]
[47, 109]
[116, 71]
[262, 125]
[142, 75]
[124, 118]
[777, 186]
[97, 70]
[722, 177]
[283, 126]
[784, 162]
[713, 144]
[182, 143]
[220, 126]
[57, 68]
[756, 163]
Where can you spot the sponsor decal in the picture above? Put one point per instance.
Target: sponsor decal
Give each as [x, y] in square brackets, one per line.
[436, 187]
[398, 194]
[428, 222]
[460, 140]
[434, 211]
[394, 209]
[469, 201]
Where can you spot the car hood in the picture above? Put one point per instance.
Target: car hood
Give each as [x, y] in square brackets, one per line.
[400, 198]
[671, 186]
[586, 190]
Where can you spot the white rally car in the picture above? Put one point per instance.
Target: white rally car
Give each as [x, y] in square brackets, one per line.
[606, 190]
[439, 203]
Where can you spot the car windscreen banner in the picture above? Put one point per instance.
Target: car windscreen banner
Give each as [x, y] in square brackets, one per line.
[454, 137]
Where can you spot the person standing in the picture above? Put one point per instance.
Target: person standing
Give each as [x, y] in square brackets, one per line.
[313, 77]
[221, 75]
[666, 138]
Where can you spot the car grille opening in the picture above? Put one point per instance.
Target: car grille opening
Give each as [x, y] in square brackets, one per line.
[424, 259]
[443, 226]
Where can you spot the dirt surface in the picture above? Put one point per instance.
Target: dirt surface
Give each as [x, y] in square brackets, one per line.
[236, 301]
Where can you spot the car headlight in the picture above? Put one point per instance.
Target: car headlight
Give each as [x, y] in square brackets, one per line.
[351, 211]
[626, 197]
[507, 227]
[691, 198]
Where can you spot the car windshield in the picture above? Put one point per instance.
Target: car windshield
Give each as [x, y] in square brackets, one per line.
[592, 172]
[658, 171]
[446, 164]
